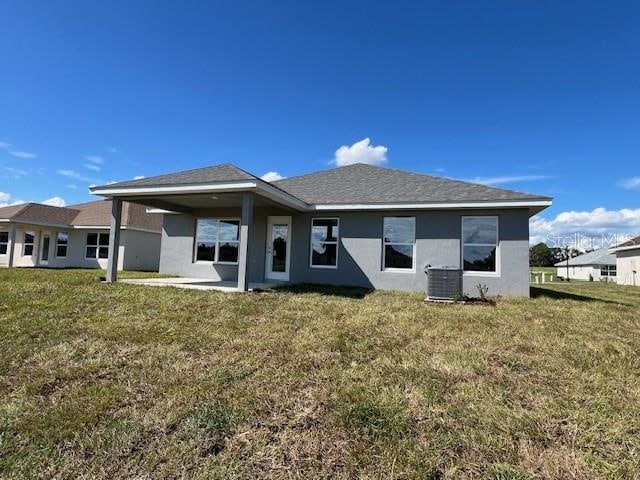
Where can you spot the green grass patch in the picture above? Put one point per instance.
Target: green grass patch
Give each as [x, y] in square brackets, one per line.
[124, 381]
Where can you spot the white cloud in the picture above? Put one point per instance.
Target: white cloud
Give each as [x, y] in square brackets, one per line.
[138, 177]
[72, 186]
[631, 183]
[499, 180]
[112, 149]
[360, 152]
[7, 199]
[271, 177]
[78, 176]
[92, 166]
[4, 145]
[94, 159]
[55, 202]
[597, 228]
[24, 155]
[16, 172]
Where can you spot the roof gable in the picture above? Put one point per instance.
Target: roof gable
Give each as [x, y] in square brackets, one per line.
[366, 184]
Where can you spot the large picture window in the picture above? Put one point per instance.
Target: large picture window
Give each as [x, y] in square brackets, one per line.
[398, 242]
[4, 242]
[217, 240]
[480, 244]
[324, 242]
[62, 241]
[29, 242]
[97, 245]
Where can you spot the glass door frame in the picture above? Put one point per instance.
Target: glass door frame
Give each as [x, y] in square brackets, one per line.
[269, 274]
[41, 259]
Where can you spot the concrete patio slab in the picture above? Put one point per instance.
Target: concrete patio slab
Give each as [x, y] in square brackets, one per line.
[197, 284]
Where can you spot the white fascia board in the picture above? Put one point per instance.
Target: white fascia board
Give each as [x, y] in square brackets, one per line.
[623, 249]
[41, 224]
[434, 206]
[172, 189]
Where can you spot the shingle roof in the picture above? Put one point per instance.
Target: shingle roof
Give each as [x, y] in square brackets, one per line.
[597, 257]
[11, 210]
[39, 213]
[95, 214]
[353, 184]
[363, 184]
[216, 173]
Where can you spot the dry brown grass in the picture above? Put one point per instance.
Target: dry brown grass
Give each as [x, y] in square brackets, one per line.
[114, 381]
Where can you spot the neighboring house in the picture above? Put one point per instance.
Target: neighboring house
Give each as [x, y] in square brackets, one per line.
[598, 265]
[357, 225]
[628, 262]
[32, 234]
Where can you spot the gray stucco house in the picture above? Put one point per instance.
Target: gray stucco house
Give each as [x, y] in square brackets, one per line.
[77, 236]
[357, 225]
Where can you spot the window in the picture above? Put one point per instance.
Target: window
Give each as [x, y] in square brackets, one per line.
[4, 242]
[97, 245]
[217, 240]
[608, 270]
[29, 241]
[399, 238]
[479, 244]
[62, 241]
[324, 242]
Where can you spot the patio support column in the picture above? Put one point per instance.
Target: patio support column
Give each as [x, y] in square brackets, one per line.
[114, 240]
[243, 251]
[12, 244]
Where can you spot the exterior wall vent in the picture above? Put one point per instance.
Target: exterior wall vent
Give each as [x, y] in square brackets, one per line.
[444, 283]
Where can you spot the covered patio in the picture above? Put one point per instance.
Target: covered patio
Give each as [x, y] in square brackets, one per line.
[225, 192]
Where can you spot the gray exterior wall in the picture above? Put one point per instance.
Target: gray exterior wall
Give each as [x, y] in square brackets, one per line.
[139, 250]
[438, 243]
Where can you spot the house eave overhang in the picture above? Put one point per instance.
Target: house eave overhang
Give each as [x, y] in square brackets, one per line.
[262, 188]
[280, 196]
[624, 249]
[534, 206]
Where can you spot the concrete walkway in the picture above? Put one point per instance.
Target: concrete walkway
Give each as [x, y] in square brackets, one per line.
[197, 284]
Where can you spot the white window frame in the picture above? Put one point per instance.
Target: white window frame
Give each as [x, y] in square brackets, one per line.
[25, 244]
[472, 273]
[97, 246]
[608, 269]
[217, 241]
[65, 245]
[6, 244]
[413, 253]
[335, 242]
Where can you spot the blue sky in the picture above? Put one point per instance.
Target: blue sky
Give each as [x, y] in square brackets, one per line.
[535, 96]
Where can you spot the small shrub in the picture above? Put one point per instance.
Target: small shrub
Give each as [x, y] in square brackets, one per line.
[482, 291]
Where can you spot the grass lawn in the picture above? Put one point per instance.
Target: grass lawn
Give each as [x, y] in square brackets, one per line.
[113, 381]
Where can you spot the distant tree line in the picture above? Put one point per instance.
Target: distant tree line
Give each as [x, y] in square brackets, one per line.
[541, 255]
